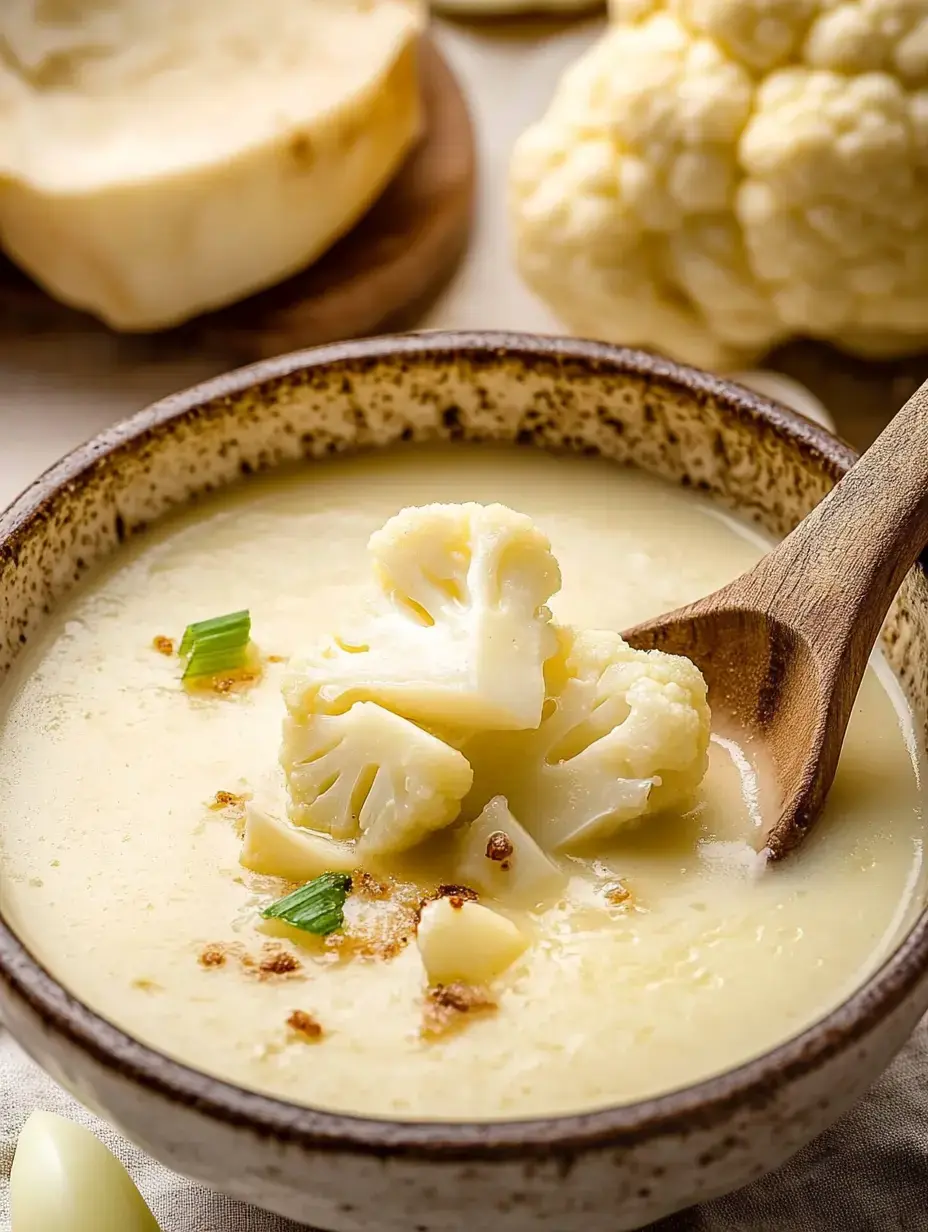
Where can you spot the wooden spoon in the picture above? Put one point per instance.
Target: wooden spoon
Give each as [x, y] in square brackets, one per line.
[784, 647]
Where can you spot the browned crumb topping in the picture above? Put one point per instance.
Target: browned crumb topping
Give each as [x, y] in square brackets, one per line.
[163, 645]
[232, 682]
[456, 891]
[368, 886]
[500, 848]
[384, 922]
[277, 961]
[384, 936]
[228, 800]
[461, 997]
[273, 961]
[447, 1005]
[456, 901]
[617, 893]
[305, 1025]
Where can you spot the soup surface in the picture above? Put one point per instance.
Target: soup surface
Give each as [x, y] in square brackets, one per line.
[119, 876]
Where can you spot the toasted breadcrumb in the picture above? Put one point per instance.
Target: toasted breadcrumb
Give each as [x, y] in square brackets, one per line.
[228, 800]
[500, 848]
[447, 1006]
[233, 682]
[383, 922]
[305, 1026]
[274, 960]
[369, 886]
[617, 894]
[456, 891]
[163, 645]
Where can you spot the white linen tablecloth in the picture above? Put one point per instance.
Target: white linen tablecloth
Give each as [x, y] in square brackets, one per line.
[868, 1174]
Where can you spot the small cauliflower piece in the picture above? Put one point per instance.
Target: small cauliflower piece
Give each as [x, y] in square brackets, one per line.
[370, 775]
[714, 177]
[498, 857]
[627, 734]
[276, 848]
[463, 632]
[461, 940]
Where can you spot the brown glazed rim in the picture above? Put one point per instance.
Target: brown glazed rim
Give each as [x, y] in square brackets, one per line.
[703, 1105]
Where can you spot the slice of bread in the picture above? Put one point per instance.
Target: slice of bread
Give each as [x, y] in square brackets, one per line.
[159, 158]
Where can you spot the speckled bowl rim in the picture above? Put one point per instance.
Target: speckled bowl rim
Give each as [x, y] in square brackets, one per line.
[702, 1105]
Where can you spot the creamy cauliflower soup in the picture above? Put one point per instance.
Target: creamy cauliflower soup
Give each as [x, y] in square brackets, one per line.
[434, 896]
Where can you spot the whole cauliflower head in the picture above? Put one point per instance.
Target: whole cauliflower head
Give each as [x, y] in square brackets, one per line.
[461, 633]
[625, 733]
[715, 176]
[370, 775]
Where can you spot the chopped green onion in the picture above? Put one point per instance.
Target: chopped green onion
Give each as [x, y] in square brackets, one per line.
[317, 907]
[217, 645]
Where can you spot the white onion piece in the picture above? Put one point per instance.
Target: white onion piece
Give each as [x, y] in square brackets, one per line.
[65, 1180]
[784, 389]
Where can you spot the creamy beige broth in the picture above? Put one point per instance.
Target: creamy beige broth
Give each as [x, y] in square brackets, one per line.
[116, 874]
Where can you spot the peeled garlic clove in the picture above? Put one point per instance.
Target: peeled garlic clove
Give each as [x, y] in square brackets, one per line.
[464, 941]
[784, 389]
[65, 1180]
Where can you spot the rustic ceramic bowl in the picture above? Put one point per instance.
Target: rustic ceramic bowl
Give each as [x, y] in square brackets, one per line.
[609, 1170]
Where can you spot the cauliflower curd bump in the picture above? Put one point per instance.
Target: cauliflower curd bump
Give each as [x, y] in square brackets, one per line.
[392, 821]
[714, 177]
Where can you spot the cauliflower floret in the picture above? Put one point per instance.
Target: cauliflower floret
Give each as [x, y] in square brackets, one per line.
[462, 632]
[626, 733]
[371, 775]
[716, 176]
[761, 33]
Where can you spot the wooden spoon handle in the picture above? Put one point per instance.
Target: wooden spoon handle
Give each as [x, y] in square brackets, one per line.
[835, 576]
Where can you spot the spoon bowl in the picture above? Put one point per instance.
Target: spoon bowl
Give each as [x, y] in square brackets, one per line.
[763, 677]
[784, 647]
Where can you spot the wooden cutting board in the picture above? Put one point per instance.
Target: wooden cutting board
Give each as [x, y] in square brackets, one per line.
[861, 396]
[379, 277]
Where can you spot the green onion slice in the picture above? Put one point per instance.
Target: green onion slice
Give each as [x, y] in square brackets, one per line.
[217, 645]
[317, 907]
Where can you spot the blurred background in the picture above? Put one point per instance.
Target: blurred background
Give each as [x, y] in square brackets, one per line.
[441, 248]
